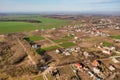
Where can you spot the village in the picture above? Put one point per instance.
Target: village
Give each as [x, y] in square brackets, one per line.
[87, 49]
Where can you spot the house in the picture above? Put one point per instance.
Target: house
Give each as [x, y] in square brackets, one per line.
[96, 70]
[35, 46]
[105, 50]
[86, 54]
[90, 73]
[78, 66]
[117, 40]
[58, 51]
[76, 38]
[112, 68]
[95, 63]
[115, 60]
[67, 53]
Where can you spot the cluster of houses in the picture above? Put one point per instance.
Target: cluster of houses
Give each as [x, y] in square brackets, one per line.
[106, 50]
[68, 51]
[94, 72]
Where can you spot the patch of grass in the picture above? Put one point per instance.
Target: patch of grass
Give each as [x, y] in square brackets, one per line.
[50, 77]
[108, 44]
[40, 51]
[36, 38]
[63, 39]
[50, 48]
[38, 78]
[67, 70]
[60, 40]
[115, 37]
[67, 44]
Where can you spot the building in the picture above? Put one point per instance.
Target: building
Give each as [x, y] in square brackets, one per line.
[78, 66]
[95, 63]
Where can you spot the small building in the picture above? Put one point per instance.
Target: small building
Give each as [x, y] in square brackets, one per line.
[35, 46]
[115, 60]
[78, 66]
[95, 63]
[112, 68]
[105, 50]
[58, 51]
[96, 70]
[117, 41]
[76, 38]
[86, 54]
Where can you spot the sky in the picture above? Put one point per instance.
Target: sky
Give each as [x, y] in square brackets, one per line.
[60, 6]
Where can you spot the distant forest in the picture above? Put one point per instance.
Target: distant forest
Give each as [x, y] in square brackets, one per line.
[15, 20]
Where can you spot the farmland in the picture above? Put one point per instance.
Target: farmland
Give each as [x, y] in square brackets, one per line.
[50, 48]
[13, 27]
[116, 37]
[67, 44]
[36, 38]
[63, 39]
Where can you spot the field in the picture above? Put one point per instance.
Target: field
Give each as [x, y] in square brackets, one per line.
[38, 78]
[47, 23]
[116, 37]
[50, 48]
[108, 44]
[67, 44]
[36, 38]
[63, 39]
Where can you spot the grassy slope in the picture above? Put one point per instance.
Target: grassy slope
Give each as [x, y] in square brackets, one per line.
[8, 27]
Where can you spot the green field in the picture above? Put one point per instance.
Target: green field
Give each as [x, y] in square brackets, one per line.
[108, 44]
[67, 44]
[63, 39]
[38, 78]
[36, 38]
[47, 23]
[50, 48]
[115, 37]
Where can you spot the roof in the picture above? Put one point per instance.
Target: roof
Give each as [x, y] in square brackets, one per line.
[95, 63]
[78, 65]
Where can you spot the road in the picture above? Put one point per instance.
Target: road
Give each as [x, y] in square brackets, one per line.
[76, 74]
[24, 48]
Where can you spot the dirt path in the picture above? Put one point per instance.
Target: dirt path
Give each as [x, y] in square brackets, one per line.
[30, 58]
[53, 42]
